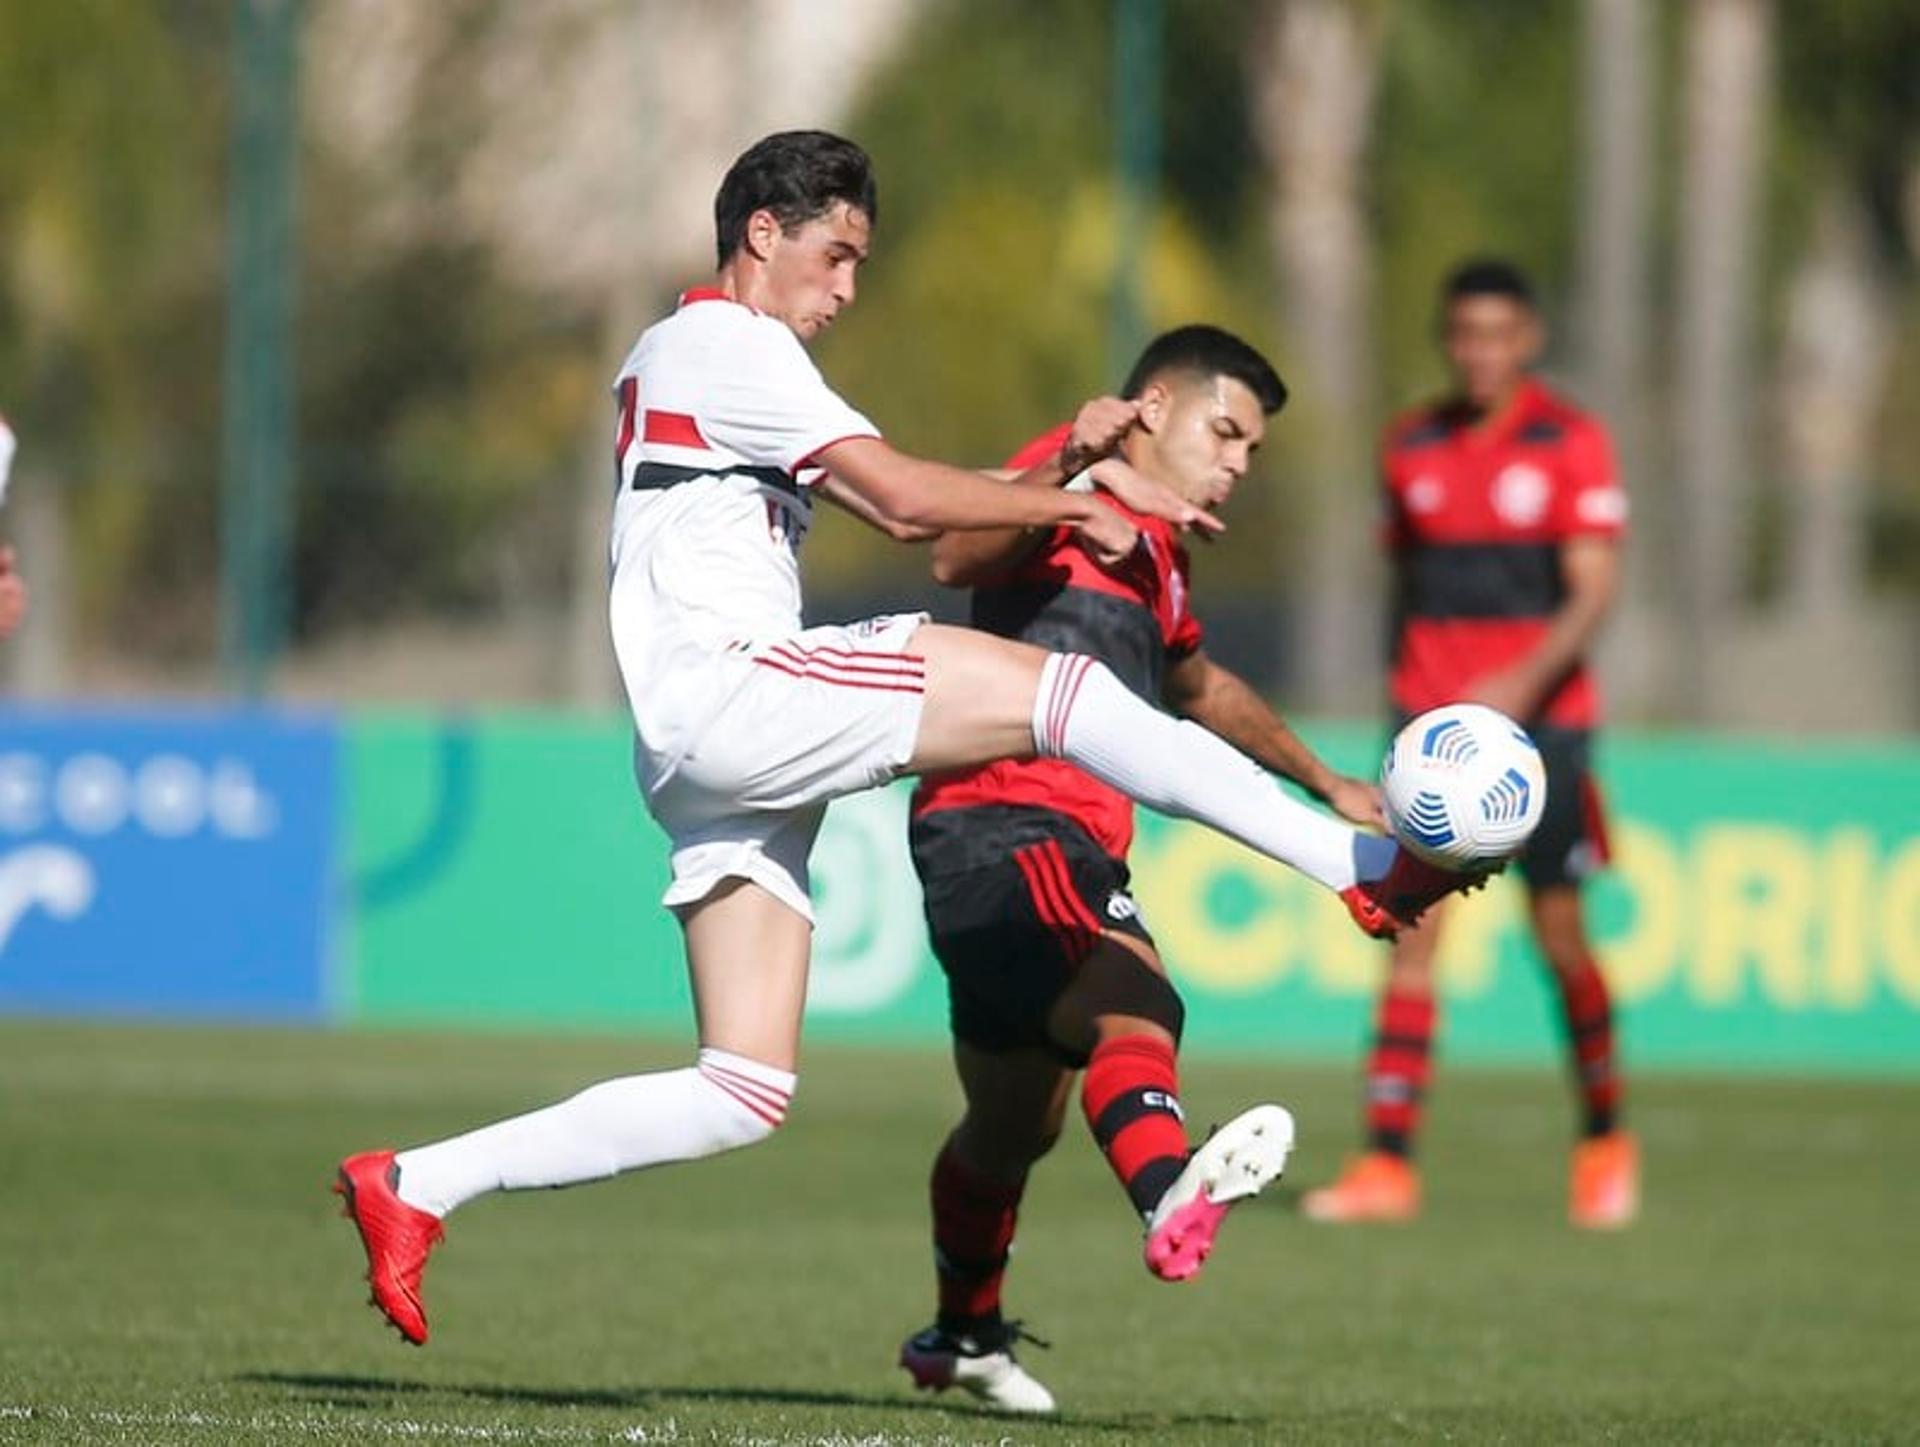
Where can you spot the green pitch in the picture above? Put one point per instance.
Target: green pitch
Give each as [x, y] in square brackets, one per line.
[172, 1270]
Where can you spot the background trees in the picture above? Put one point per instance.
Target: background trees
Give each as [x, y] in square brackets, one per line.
[493, 198]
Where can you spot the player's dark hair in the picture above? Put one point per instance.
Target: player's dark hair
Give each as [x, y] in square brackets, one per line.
[797, 175]
[1205, 351]
[1488, 276]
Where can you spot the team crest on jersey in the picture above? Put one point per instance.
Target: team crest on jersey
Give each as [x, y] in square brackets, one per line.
[1120, 906]
[1520, 494]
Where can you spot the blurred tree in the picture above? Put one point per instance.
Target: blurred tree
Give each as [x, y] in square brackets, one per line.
[1478, 152]
[1612, 319]
[1851, 155]
[1728, 76]
[495, 197]
[109, 231]
[1317, 64]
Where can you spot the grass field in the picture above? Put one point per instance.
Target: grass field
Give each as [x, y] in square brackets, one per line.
[172, 1270]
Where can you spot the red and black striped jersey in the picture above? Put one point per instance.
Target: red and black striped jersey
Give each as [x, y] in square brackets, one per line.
[1133, 619]
[1476, 516]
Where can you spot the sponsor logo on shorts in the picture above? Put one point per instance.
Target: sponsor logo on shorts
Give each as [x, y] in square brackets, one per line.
[1120, 905]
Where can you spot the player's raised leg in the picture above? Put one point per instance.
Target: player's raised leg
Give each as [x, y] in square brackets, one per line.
[990, 698]
[747, 953]
[1124, 1015]
[1015, 1103]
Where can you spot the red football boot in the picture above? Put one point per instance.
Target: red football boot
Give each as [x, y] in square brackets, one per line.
[1383, 907]
[398, 1238]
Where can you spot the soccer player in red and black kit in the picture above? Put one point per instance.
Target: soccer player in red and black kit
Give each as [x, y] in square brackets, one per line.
[1505, 519]
[1050, 969]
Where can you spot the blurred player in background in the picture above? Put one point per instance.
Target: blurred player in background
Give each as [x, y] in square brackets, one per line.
[13, 590]
[748, 723]
[1505, 520]
[1050, 969]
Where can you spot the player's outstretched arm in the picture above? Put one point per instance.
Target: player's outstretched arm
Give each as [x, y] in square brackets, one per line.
[1222, 702]
[1590, 567]
[916, 494]
[966, 559]
[837, 492]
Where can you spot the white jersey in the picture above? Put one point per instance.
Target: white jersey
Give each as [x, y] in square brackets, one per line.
[721, 415]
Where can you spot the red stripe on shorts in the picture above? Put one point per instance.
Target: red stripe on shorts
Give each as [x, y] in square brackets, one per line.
[891, 664]
[1594, 814]
[898, 683]
[1055, 859]
[1054, 911]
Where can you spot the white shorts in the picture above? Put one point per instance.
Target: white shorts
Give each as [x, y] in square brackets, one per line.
[796, 721]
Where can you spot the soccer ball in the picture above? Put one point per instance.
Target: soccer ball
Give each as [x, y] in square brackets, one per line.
[1464, 786]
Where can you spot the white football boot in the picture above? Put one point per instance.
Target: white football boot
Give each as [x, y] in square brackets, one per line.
[1236, 1163]
[982, 1366]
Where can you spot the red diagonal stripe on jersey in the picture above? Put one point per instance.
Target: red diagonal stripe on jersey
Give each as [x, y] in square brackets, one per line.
[675, 429]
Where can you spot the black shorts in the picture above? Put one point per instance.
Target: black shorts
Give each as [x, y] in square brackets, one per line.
[1571, 843]
[1016, 898]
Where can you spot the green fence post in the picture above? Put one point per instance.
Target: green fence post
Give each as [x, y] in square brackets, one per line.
[257, 398]
[1138, 27]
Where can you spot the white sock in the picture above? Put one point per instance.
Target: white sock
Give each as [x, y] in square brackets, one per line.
[618, 1125]
[1085, 715]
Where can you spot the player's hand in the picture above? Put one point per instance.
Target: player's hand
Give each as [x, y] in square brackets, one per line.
[1357, 801]
[13, 594]
[1154, 499]
[1097, 431]
[1107, 536]
[1506, 690]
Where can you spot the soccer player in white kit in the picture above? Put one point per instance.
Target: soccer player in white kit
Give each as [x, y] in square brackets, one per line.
[747, 724]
